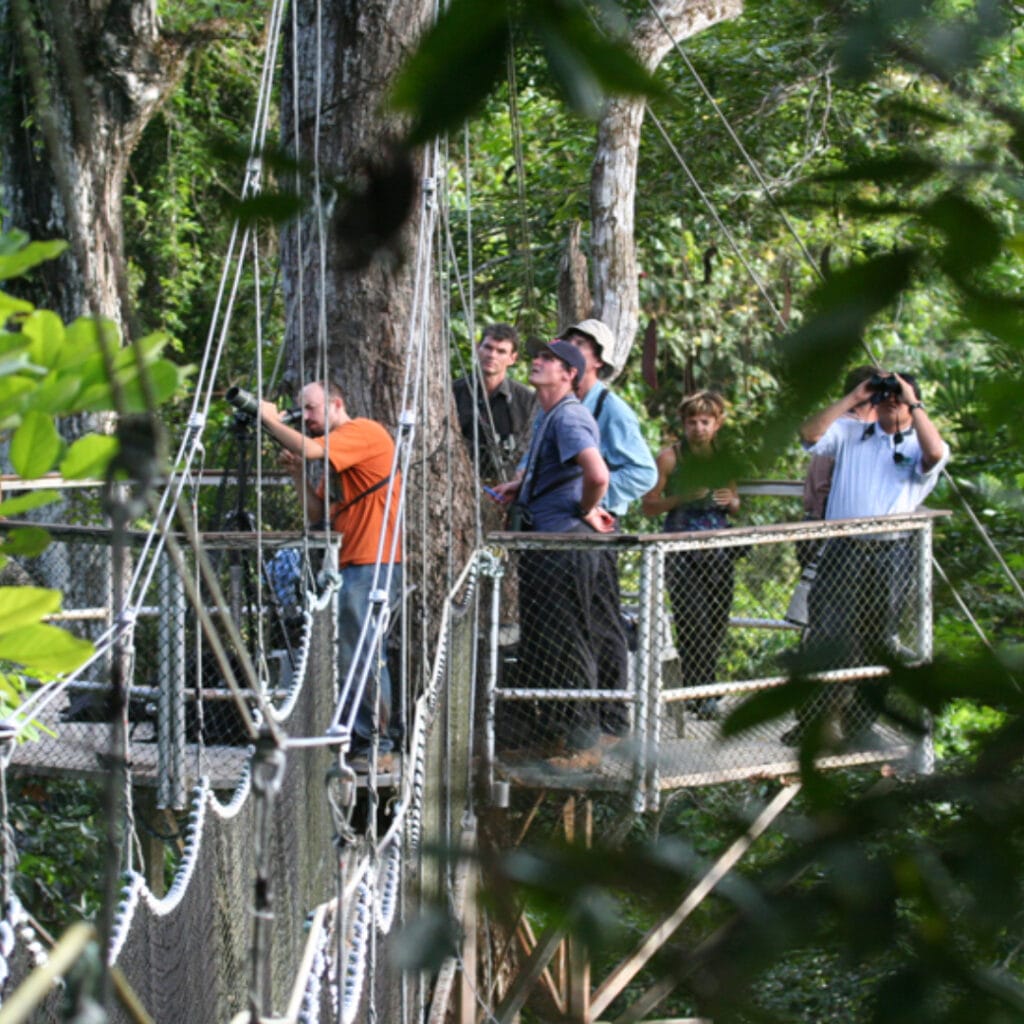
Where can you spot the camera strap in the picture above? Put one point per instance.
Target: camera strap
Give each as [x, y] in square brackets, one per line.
[345, 506]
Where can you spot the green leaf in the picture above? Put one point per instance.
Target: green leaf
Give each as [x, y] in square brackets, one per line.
[82, 341]
[20, 606]
[907, 168]
[16, 263]
[455, 66]
[29, 541]
[56, 394]
[26, 502]
[20, 362]
[46, 331]
[973, 241]
[9, 305]
[35, 446]
[89, 456]
[44, 649]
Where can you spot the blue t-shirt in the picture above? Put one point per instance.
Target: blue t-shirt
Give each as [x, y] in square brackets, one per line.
[553, 484]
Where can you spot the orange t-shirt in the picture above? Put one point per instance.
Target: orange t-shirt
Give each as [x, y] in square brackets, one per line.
[361, 453]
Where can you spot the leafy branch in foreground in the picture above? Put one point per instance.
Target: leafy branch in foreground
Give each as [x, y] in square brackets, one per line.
[49, 370]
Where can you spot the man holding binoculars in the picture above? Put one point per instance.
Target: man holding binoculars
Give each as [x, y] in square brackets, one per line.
[881, 468]
[360, 453]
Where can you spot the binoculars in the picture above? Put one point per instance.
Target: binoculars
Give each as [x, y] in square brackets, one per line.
[246, 402]
[881, 387]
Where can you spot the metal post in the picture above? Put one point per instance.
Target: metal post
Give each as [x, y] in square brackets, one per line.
[648, 672]
[924, 749]
[492, 568]
[171, 682]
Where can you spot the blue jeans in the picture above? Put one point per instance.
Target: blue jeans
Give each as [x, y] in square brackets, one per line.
[353, 605]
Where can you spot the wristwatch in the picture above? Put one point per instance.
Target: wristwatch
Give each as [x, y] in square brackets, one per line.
[916, 405]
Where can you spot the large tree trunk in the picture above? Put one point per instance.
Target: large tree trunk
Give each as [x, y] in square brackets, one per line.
[368, 302]
[80, 80]
[613, 176]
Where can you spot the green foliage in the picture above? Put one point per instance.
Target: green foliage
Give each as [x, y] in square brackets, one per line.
[889, 134]
[58, 826]
[475, 37]
[49, 370]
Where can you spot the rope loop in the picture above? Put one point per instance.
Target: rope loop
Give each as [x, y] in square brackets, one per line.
[267, 764]
[340, 782]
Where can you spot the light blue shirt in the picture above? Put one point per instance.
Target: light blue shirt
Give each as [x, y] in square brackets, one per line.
[630, 463]
[867, 480]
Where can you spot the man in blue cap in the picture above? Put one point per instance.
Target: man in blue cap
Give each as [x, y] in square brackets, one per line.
[558, 491]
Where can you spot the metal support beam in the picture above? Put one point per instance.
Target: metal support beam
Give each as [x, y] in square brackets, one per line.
[619, 978]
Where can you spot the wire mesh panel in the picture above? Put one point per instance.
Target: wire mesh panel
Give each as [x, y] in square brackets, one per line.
[244, 630]
[619, 661]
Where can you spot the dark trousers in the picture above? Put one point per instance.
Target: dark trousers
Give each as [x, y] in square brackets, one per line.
[854, 611]
[858, 597]
[571, 637]
[700, 586]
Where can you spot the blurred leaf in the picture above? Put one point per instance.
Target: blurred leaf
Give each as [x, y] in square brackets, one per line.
[55, 395]
[20, 606]
[29, 541]
[455, 66]
[269, 207]
[26, 502]
[272, 157]
[587, 64]
[89, 456]
[43, 648]
[46, 330]
[9, 305]
[426, 942]
[909, 168]
[769, 705]
[82, 341]
[972, 240]
[12, 264]
[35, 446]
[20, 362]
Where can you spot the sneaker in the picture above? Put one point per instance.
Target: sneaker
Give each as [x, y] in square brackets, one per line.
[584, 760]
[360, 763]
[706, 709]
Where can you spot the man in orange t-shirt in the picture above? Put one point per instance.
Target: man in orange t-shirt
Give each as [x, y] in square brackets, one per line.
[361, 457]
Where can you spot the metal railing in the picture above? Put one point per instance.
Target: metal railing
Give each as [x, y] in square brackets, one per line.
[612, 661]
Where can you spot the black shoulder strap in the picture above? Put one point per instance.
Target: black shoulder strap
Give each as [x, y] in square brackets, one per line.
[601, 399]
[359, 497]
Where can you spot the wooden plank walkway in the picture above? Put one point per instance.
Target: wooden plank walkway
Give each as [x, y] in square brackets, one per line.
[700, 757]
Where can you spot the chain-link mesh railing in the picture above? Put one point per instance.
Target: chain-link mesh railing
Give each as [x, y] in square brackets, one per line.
[621, 656]
[183, 719]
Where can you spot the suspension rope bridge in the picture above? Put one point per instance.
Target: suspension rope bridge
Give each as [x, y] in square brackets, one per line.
[287, 881]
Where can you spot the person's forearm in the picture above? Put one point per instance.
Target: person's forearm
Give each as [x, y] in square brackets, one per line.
[813, 429]
[593, 492]
[932, 447]
[656, 506]
[287, 437]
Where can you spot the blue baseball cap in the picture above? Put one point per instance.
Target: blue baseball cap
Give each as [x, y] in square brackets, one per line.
[566, 351]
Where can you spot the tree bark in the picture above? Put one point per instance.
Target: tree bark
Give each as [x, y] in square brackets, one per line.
[613, 175]
[80, 80]
[349, 316]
